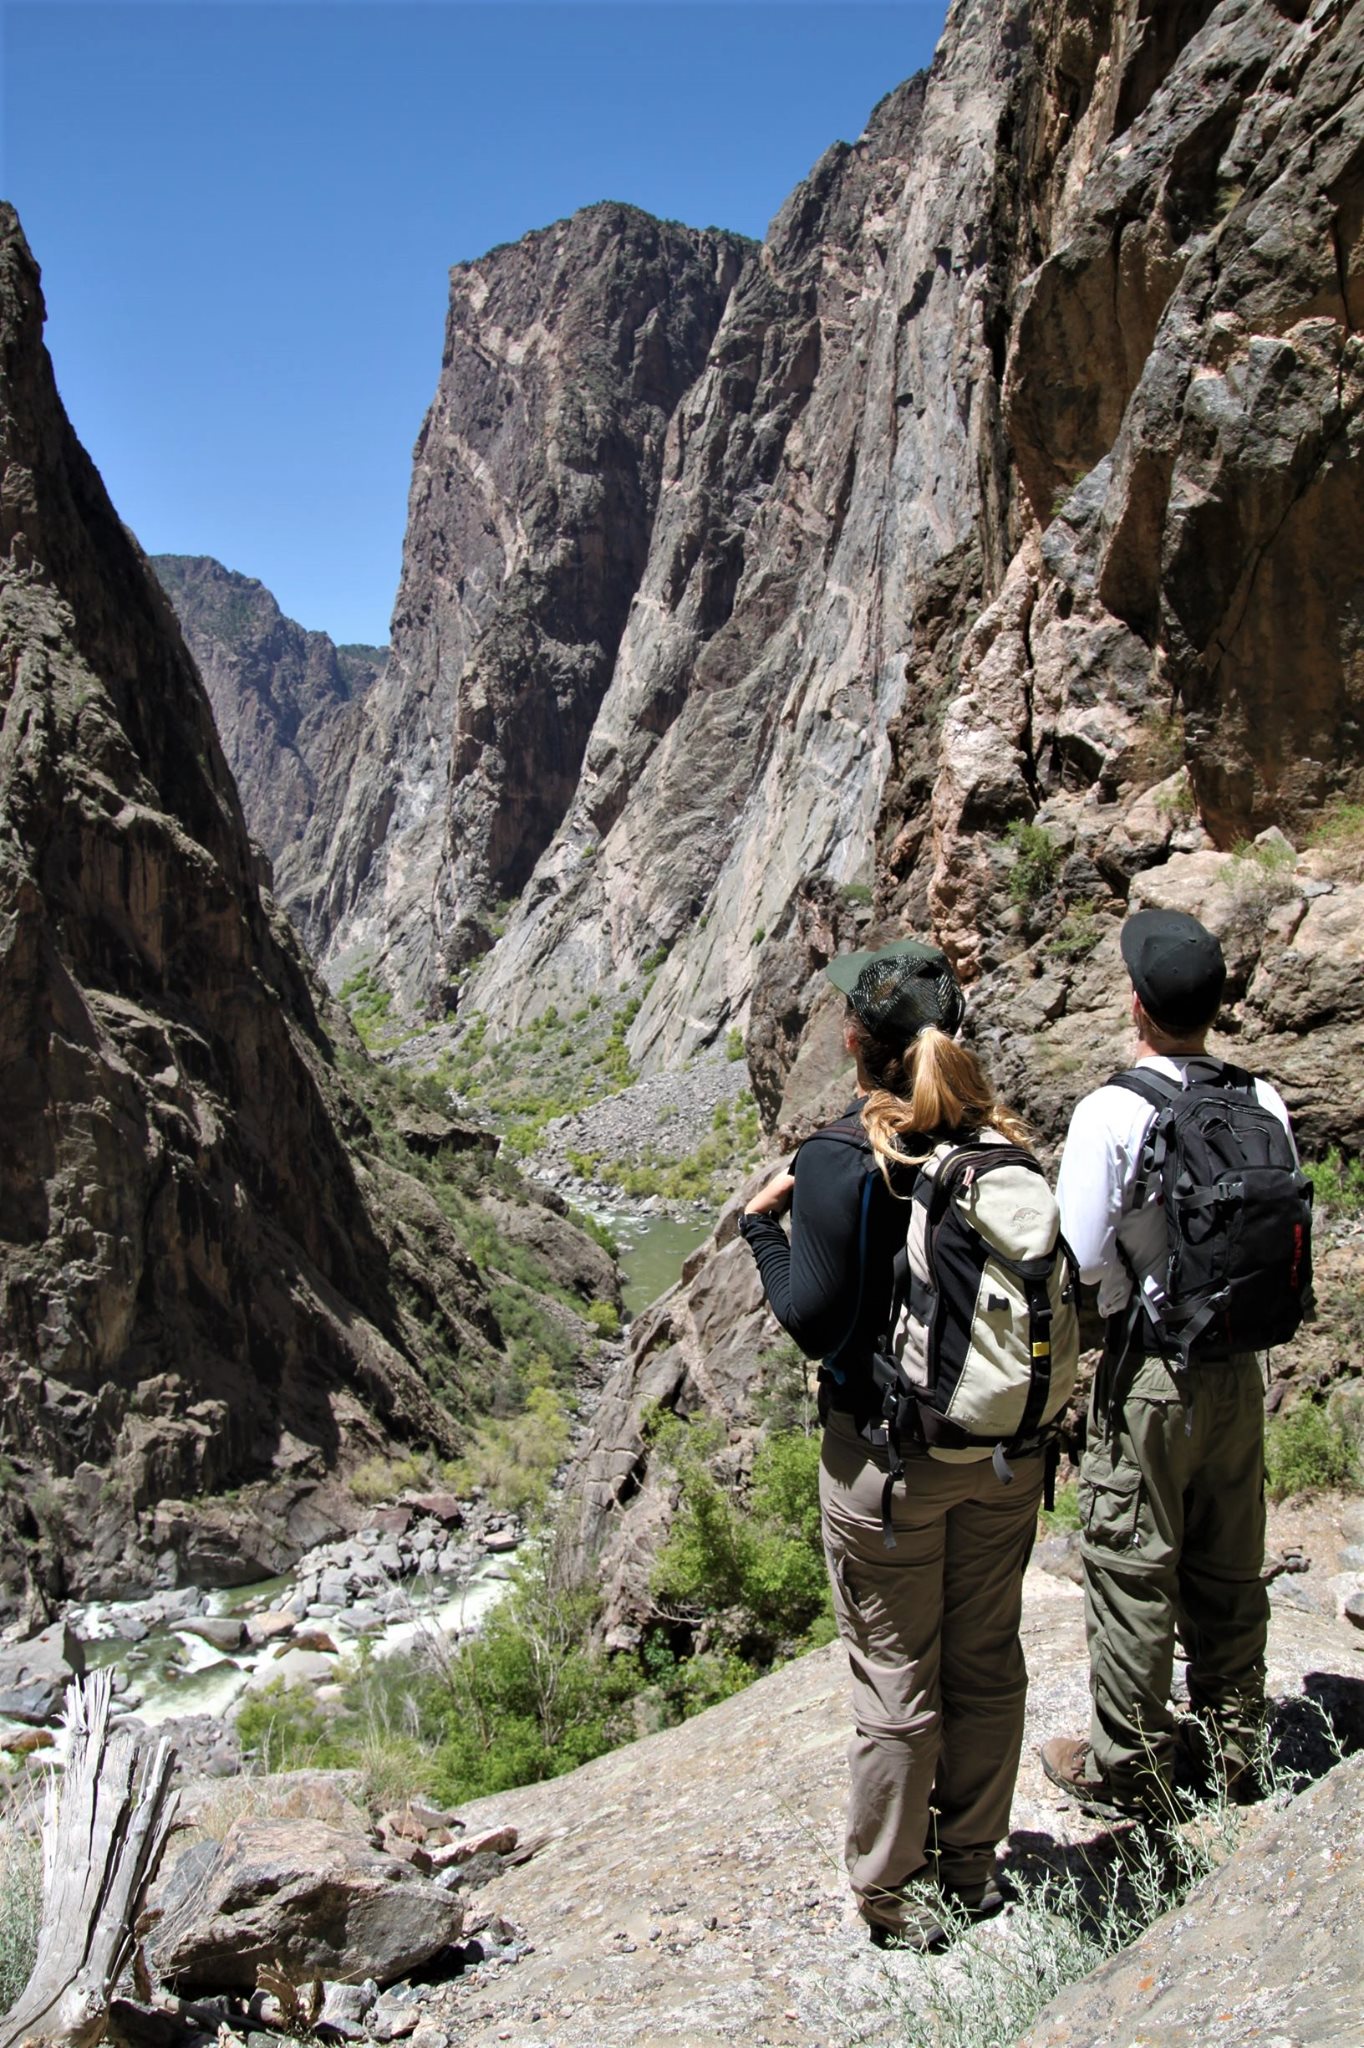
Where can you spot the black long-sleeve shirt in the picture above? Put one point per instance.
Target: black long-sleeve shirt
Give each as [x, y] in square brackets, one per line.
[811, 1278]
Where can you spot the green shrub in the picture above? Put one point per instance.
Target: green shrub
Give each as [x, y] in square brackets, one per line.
[1339, 827]
[755, 1551]
[1065, 1515]
[528, 1697]
[514, 1458]
[1159, 748]
[282, 1728]
[604, 1318]
[1307, 1452]
[1177, 802]
[1036, 862]
[1079, 931]
[734, 1044]
[381, 1478]
[1337, 1183]
[857, 895]
[368, 1004]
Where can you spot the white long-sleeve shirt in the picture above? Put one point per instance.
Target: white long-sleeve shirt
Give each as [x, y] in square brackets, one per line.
[1100, 1163]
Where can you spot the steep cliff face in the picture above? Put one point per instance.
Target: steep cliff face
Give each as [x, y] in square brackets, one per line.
[202, 1288]
[535, 482]
[1022, 460]
[830, 485]
[286, 703]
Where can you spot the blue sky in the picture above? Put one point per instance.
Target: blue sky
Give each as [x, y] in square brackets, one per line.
[245, 211]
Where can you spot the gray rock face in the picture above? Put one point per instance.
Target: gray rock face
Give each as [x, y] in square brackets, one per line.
[843, 420]
[285, 701]
[535, 482]
[315, 1900]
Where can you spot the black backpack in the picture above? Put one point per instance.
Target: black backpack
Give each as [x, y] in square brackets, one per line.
[1238, 1212]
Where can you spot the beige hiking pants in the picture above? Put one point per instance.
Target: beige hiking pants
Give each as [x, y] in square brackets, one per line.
[938, 1677]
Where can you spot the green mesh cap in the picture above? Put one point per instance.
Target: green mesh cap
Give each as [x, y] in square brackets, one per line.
[900, 989]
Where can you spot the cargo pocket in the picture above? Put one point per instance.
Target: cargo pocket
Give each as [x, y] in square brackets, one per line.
[1110, 1511]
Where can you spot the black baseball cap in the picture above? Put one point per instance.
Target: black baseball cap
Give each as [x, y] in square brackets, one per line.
[1176, 966]
[900, 989]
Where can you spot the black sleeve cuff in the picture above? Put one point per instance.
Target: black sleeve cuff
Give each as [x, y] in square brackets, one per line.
[758, 1226]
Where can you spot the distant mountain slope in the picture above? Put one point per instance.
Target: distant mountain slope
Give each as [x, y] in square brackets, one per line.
[285, 701]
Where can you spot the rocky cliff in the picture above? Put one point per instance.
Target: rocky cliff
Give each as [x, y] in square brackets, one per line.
[535, 481]
[1021, 472]
[219, 1286]
[286, 703]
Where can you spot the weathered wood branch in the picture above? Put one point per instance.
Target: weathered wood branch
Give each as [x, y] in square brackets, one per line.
[104, 1828]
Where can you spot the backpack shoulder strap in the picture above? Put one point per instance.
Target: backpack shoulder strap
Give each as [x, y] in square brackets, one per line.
[1159, 1090]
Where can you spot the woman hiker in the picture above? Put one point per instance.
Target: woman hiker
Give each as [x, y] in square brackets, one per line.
[932, 1625]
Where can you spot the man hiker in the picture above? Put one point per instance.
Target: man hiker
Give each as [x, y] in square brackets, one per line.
[1171, 1480]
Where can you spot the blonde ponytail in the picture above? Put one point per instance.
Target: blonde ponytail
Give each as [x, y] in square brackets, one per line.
[935, 1088]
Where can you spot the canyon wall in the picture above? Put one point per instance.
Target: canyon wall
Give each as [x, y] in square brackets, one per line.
[1020, 466]
[535, 481]
[286, 703]
[216, 1290]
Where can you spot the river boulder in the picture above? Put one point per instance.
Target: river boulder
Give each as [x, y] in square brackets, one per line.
[34, 1675]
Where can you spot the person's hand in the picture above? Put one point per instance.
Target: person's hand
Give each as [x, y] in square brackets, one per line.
[774, 1199]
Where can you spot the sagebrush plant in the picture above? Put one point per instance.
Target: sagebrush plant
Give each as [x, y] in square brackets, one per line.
[21, 1898]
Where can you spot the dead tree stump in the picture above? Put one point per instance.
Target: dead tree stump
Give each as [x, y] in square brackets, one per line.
[104, 1828]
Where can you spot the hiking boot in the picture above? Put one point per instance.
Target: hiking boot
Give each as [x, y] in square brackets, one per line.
[1205, 1771]
[904, 1918]
[979, 1901]
[1068, 1761]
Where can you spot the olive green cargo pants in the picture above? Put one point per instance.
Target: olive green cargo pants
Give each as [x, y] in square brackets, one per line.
[938, 1677]
[1172, 1519]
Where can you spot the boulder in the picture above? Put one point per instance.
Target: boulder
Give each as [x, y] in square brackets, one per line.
[313, 1900]
[268, 1628]
[442, 1507]
[225, 1632]
[294, 1667]
[34, 1675]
